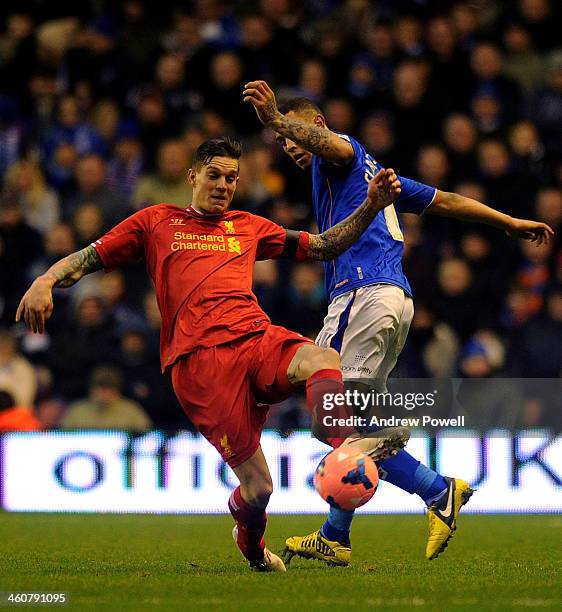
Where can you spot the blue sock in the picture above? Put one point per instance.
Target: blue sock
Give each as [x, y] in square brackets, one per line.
[337, 525]
[409, 474]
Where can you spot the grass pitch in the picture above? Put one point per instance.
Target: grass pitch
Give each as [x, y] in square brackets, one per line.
[121, 562]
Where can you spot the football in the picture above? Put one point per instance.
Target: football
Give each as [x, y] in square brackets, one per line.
[346, 479]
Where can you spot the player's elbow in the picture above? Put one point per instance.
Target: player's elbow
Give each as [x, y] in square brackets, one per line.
[342, 154]
[443, 203]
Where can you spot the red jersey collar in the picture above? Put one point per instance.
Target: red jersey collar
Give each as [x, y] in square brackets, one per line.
[202, 215]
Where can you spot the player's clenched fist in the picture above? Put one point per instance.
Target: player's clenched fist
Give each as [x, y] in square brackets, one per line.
[262, 98]
[384, 188]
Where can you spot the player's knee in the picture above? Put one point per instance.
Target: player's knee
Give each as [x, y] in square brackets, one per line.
[326, 359]
[258, 495]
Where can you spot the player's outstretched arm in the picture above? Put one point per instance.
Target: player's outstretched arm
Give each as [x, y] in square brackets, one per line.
[36, 306]
[449, 204]
[318, 140]
[383, 190]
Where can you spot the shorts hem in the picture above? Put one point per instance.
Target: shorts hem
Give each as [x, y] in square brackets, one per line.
[241, 457]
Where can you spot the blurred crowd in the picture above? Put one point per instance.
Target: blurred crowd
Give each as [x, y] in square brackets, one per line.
[102, 105]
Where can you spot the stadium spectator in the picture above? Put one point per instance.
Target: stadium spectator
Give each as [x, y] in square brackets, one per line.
[153, 121]
[432, 346]
[533, 273]
[539, 17]
[105, 116]
[20, 247]
[529, 154]
[88, 222]
[487, 404]
[509, 191]
[340, 115]
[257, 49]
[78, 347]
[170, 184]
[14, 417]
[411, 99]
[17, 375]
[523, 63]
[12, 133]
[379, 55]
[49, 412]
[40, 205]
[105, 407]
[459, 134]
[91, 172]
[18, 52]
[126, 165]
[143, 381]
[313, 78]
[537, 348]
[548, 207]
[408, 34]
[221, 91]
[544, 106]
[334, 51]
[71, 130]
[170, 76]
[138, 37]
[432, 166]
[95, 57]
[448, 64]
[113, 291]
[456, 303]
[486, 61]
[377, 134]
[306, 303]
[184, 39]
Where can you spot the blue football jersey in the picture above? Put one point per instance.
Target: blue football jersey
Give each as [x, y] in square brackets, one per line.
[377, 256]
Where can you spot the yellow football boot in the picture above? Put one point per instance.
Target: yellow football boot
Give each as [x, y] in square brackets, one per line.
[316, 546]
[443, 519]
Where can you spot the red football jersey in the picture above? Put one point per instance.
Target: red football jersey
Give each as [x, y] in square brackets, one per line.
[202, 269]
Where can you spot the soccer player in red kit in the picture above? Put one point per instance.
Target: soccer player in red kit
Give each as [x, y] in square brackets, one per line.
[227, 360]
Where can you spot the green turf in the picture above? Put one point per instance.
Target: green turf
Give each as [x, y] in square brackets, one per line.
[109, 562]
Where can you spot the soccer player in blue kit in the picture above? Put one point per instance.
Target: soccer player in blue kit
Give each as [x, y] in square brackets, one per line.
[371, 304]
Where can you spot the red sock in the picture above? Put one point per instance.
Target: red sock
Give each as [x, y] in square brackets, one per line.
[317, 386]
[251, 523]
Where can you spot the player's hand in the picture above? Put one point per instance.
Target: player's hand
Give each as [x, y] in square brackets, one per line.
[36, 306]
[384, 188]
[535, 231]
[262, 98]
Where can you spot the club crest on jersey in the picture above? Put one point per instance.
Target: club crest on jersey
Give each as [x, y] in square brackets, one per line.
[229, 227]
[177, 221]
[226, 449]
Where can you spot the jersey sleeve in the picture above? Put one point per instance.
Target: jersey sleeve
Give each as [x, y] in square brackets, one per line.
[415, 197]
[124, 244]
[270, 236]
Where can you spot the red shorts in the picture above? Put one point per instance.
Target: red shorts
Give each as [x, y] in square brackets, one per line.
[221, 388]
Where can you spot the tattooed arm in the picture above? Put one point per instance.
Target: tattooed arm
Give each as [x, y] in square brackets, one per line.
[36, 305]
[384, 188]
[314, 138]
